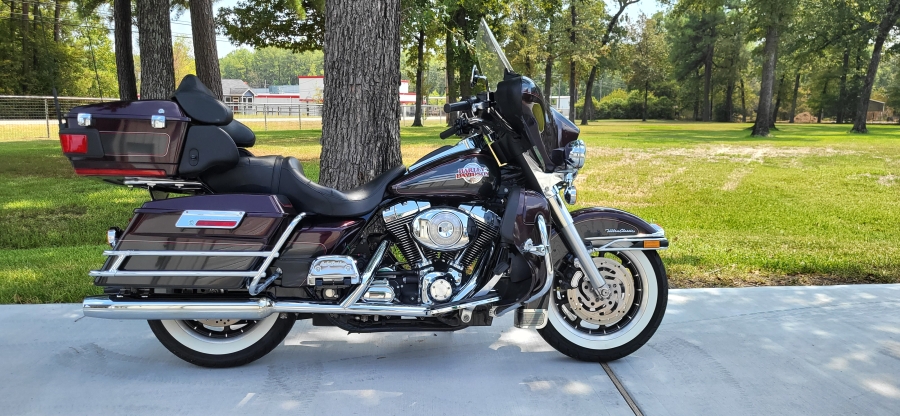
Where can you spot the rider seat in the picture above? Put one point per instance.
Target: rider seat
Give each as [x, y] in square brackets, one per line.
[284, 176]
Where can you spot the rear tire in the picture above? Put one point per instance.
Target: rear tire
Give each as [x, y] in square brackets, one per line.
[569, 337]
[193, 342]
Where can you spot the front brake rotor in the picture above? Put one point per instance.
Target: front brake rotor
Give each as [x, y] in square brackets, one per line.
[602, 310]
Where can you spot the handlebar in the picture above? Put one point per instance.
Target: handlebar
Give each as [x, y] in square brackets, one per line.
[449, 132]
[459, 106]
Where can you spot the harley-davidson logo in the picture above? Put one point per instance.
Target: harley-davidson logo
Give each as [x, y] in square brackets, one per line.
[473, 173]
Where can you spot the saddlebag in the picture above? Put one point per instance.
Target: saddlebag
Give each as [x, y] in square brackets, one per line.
[197, 242]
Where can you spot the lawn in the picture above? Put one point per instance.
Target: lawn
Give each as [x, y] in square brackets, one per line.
[812, 205]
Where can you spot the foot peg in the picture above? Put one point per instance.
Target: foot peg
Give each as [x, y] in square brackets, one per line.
[530, 318]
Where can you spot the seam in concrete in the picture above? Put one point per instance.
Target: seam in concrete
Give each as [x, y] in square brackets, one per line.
[619, 386]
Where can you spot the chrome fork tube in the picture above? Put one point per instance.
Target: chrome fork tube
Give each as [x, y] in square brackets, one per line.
[570, 233]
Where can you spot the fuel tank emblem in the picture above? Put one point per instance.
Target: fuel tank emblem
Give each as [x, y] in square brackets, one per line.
[473, 173]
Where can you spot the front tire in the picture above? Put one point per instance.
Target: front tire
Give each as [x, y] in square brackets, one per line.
[224, 342]
[591, 333]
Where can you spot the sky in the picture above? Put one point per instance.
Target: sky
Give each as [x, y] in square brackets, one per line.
[181, 24]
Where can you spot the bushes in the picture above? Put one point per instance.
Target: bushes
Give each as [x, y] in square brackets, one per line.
[630, 105]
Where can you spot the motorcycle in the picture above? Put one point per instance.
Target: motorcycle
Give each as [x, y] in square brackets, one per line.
[469, 233]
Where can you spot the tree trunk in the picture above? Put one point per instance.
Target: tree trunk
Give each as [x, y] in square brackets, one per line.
[646, 90]
[26, 55]
[36, 14]
[124, 52]
[420, 69]
[548, 79]
[743, 103]
[57, 10]
[206, 55]
[155, 43]
[573, 88]
[842, 94]
[761, 127]
[777, 102]
[361, 118]
[450, 66]
[587, 112]
[794, 98]
[822, 104]
[884, 28]
[729, 102]
[707, 82]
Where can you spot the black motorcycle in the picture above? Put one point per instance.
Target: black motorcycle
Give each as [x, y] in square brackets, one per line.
[468, 233]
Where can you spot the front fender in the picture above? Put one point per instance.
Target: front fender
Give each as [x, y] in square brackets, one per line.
[608, 229]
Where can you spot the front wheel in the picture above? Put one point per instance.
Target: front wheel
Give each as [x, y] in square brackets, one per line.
[223, 343]
[603, 327]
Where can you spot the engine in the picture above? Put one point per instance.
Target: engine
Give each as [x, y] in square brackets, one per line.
[439, 244]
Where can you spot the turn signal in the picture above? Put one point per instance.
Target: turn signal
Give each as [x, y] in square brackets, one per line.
[112, 236]
[74, 143]
[651, 244]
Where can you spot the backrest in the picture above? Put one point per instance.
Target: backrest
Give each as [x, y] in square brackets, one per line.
[241, 134]
[199, 103]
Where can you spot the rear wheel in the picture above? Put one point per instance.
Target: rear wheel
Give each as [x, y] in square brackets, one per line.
[223, 342]
[603, 327]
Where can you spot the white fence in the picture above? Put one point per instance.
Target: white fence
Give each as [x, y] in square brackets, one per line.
[32, 117]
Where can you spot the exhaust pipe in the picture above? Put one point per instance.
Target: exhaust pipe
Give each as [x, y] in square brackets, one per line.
[111, 307]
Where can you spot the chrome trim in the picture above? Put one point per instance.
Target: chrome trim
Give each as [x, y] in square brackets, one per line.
[254, 308]
[275, 249]
[84, 119]
[489, 285]
[613, 241]
[166, 273]
[548, 260]
[571, 194]
[570, 233]
[158, 122]
[473, 278]
[332, 269]
[425, 226]
[575, 153]
[257, 275]
[255, 289]
[441, 310]
[191, 253]
[460, 147]
[530, 318]
[379, 292]
[150, 183]
[482, 215]
[403, 210]
[190, 218]
[366, 278]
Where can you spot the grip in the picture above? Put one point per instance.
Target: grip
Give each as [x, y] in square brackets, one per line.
[457, 106]
[449, 132]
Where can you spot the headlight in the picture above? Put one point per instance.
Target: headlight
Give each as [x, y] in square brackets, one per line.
[575, 154]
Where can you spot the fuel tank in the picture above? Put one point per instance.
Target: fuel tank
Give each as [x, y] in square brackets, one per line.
[465, 176]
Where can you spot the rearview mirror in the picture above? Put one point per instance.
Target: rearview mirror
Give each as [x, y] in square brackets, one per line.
[476, 76]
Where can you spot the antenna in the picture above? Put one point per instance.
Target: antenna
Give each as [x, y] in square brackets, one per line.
[59, 117]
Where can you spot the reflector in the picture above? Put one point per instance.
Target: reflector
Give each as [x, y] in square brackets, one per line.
[73, 143]
[120, 172]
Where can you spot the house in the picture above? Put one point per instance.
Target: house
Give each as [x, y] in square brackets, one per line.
[235, 92]
[309, 89]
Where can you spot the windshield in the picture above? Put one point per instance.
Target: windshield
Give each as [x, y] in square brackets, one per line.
[491, 60]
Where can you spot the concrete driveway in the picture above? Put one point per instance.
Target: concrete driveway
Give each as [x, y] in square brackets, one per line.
[782, 350]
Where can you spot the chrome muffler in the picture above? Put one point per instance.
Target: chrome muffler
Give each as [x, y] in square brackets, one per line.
[112, 307]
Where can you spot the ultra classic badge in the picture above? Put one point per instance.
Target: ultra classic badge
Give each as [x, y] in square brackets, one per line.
[473, 172]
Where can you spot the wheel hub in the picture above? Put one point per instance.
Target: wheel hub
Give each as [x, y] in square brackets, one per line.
[611, 304]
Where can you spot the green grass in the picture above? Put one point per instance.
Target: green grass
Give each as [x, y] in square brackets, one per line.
[812, 205]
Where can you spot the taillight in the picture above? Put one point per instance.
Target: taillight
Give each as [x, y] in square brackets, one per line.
[73, 143]
[218, 224]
